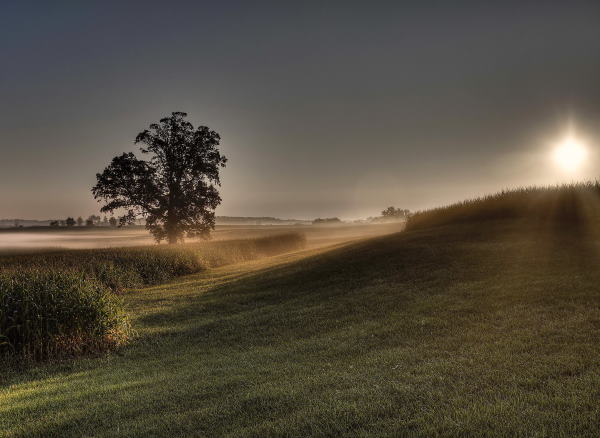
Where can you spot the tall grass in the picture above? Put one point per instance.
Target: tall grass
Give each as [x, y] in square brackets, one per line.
[571, 203]
[120, 268]
[63, 302]
[48, 313]
[116, 268]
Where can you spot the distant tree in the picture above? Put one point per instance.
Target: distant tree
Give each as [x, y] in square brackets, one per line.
[112, 222]
[54, 223]
[329, 220]
[92, 220]
[70, 222]
[396, 213]
[79, 221]
[175, 190]
[105, 221]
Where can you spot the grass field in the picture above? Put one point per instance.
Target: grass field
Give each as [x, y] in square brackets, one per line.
[476, 329]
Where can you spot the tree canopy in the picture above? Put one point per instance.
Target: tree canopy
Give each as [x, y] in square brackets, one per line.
[175, 190]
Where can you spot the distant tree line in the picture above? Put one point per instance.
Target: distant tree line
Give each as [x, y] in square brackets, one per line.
[91, 221]
[390, 214]
[328, 220]
[395, 213]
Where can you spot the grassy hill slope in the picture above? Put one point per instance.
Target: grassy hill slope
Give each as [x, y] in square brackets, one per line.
[465, 329]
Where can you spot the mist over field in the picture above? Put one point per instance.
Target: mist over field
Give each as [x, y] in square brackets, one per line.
[15, 241]
[51, 239]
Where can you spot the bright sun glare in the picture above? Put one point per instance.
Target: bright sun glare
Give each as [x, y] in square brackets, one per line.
[570, 154]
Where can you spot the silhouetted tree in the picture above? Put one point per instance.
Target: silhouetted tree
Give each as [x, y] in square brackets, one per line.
[79, 221]
[175, 189]
[112, 222]
[70, 222]
[54, 224]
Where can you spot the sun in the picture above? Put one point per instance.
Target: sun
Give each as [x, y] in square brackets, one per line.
[570, 154]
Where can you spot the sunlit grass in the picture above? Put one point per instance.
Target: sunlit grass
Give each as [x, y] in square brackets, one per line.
[58, 304]
[575, 203]
[119, 268]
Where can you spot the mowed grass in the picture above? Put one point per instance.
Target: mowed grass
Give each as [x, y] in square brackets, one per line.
[477, 329]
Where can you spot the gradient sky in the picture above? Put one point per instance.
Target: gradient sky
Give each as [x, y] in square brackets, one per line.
[324, 108]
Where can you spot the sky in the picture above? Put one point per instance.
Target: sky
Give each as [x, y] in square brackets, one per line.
[324, 108]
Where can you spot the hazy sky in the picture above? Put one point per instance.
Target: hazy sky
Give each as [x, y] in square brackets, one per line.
[324, 108]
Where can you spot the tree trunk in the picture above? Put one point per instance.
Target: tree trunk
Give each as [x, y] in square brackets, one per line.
[171, 238]
[171, 229]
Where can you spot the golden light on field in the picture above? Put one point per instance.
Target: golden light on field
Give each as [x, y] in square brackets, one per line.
[570, 154]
